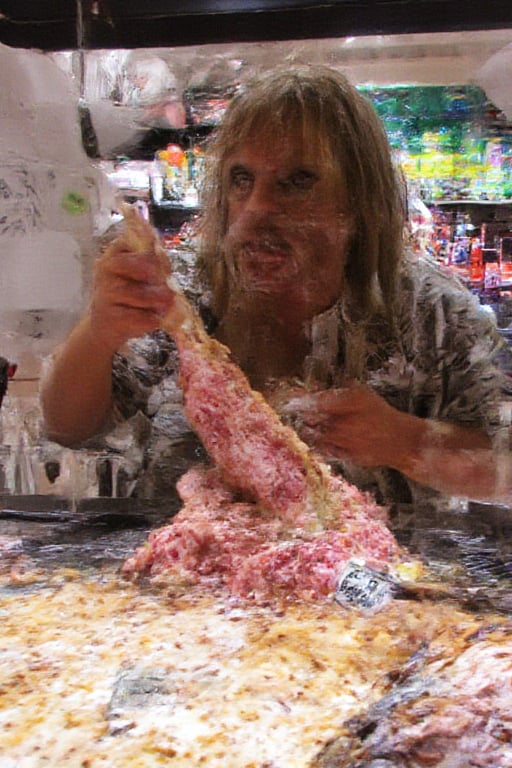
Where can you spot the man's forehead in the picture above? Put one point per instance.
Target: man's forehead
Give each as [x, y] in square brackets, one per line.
[277, 149]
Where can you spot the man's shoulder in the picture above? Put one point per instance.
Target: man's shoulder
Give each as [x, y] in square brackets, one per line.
[431, 282]
[433, 298]
[421, 268]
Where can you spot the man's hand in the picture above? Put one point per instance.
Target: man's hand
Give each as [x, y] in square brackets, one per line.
[356, 424]
[129, 298]
[130, 295]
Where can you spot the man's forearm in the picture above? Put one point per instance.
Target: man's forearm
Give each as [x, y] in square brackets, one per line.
[478, 474]
[454, 460]
[76, 389]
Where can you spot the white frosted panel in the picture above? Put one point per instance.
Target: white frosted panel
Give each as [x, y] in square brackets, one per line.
[35, 91]
[40, 271]
[52, 196]
[495, 77]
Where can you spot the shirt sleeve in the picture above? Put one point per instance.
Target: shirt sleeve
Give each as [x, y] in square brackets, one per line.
[139, 370]
[452, 346]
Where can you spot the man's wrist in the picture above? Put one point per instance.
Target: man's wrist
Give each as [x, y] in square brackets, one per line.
[87, 334]
[413, 438]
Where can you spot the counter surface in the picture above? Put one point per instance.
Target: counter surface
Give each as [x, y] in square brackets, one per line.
[97, 672]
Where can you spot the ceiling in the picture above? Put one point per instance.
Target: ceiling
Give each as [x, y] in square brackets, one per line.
[53, 25]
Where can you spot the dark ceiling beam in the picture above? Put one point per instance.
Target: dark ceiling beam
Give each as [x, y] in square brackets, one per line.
[160, 23]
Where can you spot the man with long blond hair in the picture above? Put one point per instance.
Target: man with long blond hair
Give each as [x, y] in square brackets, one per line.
[383, 361]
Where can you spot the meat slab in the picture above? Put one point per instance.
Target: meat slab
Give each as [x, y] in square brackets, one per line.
[270, 516]
[451, 708]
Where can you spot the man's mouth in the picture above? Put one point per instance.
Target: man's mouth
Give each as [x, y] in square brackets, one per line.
[266, 250]
[261, 258]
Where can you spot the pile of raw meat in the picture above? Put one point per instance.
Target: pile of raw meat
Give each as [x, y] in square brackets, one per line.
[217, 537]
[269, 518]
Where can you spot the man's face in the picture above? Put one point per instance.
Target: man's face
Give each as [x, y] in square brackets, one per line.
[287, 227]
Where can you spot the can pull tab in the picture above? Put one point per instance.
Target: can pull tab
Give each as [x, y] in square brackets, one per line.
[362, 587]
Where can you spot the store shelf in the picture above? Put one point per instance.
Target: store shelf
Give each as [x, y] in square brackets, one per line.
[171, 216]
[494, 215]
[466, 202]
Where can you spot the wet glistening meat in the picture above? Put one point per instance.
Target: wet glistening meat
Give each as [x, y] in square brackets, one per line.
[269, 517]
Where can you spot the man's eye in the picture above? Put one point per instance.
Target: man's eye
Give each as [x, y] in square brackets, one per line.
[240, 181]
[302, 180]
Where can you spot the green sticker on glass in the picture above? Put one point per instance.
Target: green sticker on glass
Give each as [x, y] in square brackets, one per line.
[75, 203]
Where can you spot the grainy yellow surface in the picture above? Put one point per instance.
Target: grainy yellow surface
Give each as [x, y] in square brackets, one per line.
[246, 688]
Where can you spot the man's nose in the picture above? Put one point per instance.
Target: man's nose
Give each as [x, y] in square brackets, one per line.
[265, 197]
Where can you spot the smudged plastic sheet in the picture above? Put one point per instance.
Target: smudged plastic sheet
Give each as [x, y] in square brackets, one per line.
[469, 553]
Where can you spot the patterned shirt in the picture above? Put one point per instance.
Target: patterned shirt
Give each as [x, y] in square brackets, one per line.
[438, 363]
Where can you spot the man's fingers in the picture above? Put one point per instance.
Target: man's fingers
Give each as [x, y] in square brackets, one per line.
[319, 404]
[131, 268]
